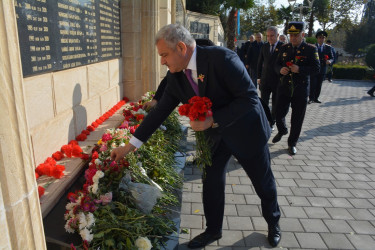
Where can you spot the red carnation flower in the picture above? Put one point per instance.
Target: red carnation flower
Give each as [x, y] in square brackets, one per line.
[326, 57]
[58, 155]
[95, 124]
[125, 99]
[289, 64]
[86, 132]
[95, 155]
[73, 142]
[36, 175]
[90, 128]
[77, 151]
[67, 150]
[85, 157]
[140, 117]
[41, 191]
[50, 160]
[81, 137]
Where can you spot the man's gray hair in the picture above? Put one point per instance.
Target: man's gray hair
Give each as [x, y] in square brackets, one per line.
[174, 33]
[274, 29]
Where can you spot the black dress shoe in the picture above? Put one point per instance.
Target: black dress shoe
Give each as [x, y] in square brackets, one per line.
[274, 235]
[371, 94]
[203, 239]
[292, 150]
[310, 101]
[317, 101]
[278, 136]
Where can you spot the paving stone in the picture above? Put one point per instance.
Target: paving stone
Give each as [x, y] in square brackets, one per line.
[360, 203]
[342, 184]
[319, 202]
[230, 210]
[254, 239]
[336, 241]
[242, 189]
[192, 197]
[316, 213]
[248, 210]
[252, 199]
[233, 180]
[197, 209]
[294, 212]
[297, 191]
[245, 180]
[228, 189]
[338, 226]
[340, 202]
[310, 240]
[339, 213]
[286, 183]
[297, 201]
[197, 187]
[305, 183]
[361, 194]
[323, 184]
[235, 199]
[313, 225]
[186, 208]
[308, 176]
[232, 238]
[341, 193]
[191, 221]
[361, 241]
[362, 227]
[259, 223]
[239, 223]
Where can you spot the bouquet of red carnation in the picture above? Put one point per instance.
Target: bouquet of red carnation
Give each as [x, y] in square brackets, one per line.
[198, 109]
[326, 57]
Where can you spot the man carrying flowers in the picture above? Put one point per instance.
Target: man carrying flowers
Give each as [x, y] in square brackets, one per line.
[297, 61]
[238, 125]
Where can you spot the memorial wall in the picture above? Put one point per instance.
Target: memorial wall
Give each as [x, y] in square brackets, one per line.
[62, 34]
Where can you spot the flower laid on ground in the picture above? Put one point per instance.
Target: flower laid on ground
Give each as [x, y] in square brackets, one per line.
[198, 109]
[107, 215]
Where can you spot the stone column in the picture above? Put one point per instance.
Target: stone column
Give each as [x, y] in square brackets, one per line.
[20, 217]
[139, 24]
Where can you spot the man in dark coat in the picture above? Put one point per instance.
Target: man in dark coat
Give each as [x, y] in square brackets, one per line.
[238, 126]
[325, 58]
[252, 57]
[296, 62]
[268, 79]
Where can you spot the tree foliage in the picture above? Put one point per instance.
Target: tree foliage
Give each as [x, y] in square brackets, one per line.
[359, 37]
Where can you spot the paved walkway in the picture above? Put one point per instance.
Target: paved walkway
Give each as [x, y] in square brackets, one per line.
[326, 192]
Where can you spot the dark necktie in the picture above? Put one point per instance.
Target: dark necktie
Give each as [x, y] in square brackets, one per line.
[192, 83]
[272, 48]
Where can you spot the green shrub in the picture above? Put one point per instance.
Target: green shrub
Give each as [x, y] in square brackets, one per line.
[370, 56]
[311, 40]
[356, 72]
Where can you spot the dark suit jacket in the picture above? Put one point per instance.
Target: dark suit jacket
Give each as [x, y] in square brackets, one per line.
[266, 66]
[308, 65]
[327, 51]
[253, 54]
[235, 104]
[159, 92]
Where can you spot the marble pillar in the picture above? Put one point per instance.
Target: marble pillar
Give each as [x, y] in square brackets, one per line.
[20, 217]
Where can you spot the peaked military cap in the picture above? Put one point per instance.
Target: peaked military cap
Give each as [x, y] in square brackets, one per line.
[321, 33]
[295, 27]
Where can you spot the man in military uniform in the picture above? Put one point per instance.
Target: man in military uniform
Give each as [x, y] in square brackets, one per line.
[297, 60]
[325, 58]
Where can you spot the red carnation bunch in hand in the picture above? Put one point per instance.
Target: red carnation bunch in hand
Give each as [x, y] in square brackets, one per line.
[326, 57]
[198, 109]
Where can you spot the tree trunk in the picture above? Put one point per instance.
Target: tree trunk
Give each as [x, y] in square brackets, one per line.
[231, 25]
[311, 24]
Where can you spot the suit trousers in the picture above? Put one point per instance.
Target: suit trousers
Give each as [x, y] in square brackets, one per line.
[265, 93]
[257, 167]
[316, 82]
[298, 104]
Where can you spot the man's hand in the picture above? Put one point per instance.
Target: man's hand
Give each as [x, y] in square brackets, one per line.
[149, 105]
[202, 125]
[294, 68]
[284, 71]
[247, 66]
[258, 81]
[328, 62]
[120, 152]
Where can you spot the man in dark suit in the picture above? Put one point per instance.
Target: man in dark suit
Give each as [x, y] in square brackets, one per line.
[325, 58]
[297, 61]
[238, 126]
[252, 56]
[268, 79]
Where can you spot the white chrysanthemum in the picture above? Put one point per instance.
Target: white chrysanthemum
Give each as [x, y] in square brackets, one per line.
[86, 235]
[70, 206]
[94, 188]
[143, 243]
[98, 162]
[90, 220]
[82, 220]
[68, 228]
[122, 144]
[99, 173]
